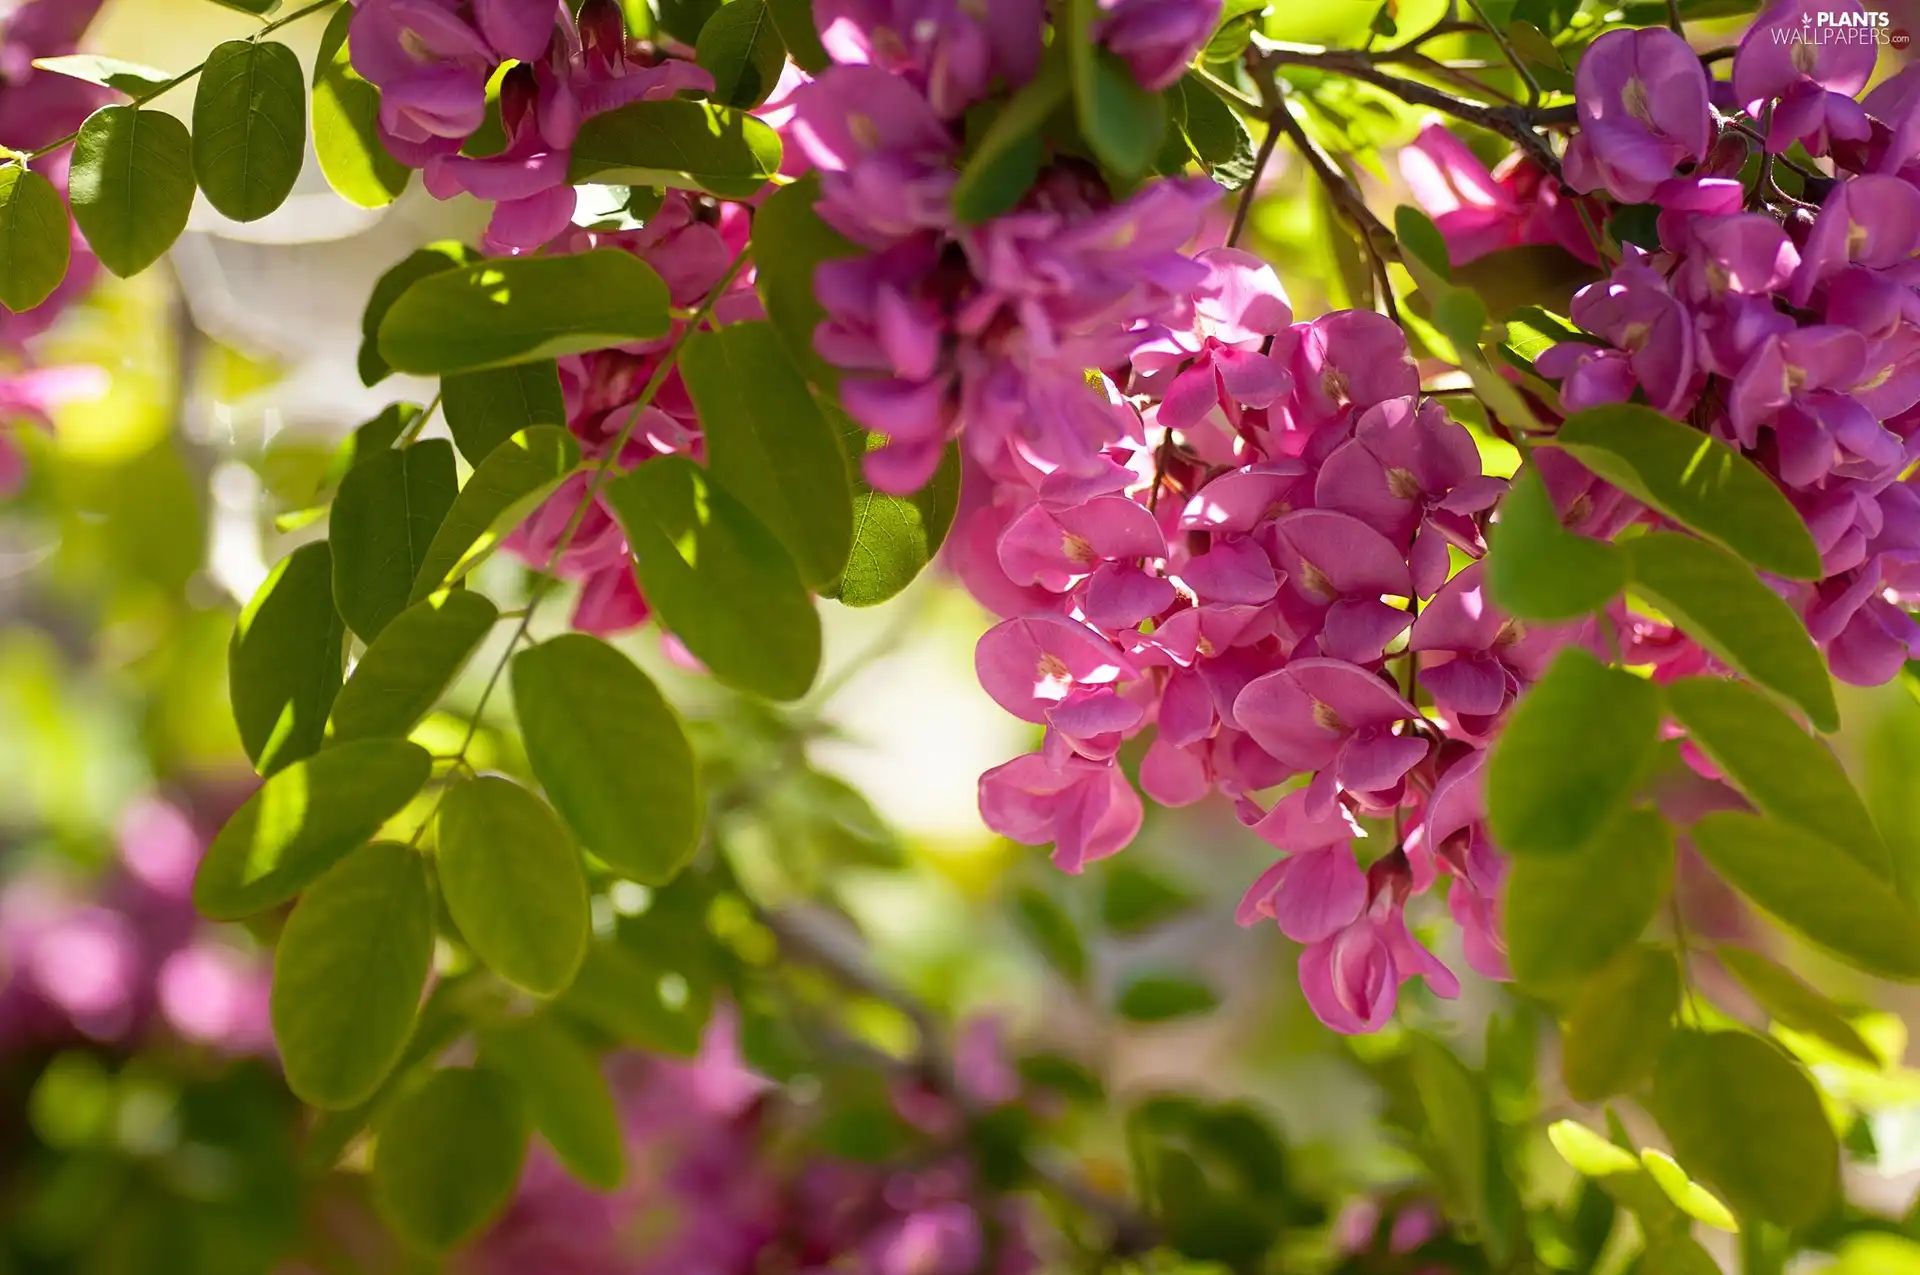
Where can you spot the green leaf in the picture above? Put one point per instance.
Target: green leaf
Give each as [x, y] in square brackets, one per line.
[769, 444]
[410, 665]
[255, 8]
[1696, 480]
[131, 185]
[742, 49]
[249, 127]
[505, 487]
[1570, 756]
[610, 754]
[283, 664]
[1794, 1004]
[1122, 122]
[385, 516]
[1002, 167]
[130, 78]
[1047, 925]
[1136, 900]
[717, 578]
[676, 142]
[35, 242]
[369, 439]
[1455, 1110]
[1815, 889]
[433, 259]
[1426, 248]
[566, 1095]
[485, 409]
[448, 1157]
[894, 537]
[1619, 1022]
[303, 821]
[1784, 771]
[1160, 998]
[509, 310]
[794, 20]
[514, 884]
[627, 996]
[1723, 606]
[1567, 915]
[1689, 1196]
[1537, 569]
[348, 972]
[1511, 279]
[790, 241]
[346, 134]
[1744, 1119]
[1217, 134]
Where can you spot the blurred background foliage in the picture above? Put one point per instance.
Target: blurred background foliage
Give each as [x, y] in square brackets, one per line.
[143, 1126]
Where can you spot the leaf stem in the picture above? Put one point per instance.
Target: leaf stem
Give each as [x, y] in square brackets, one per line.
[142, 99]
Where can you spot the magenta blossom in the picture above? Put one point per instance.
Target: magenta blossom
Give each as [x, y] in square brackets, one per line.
[1809, 82]
[1642, 101]
[1352, 978]
[953, 51]
[1337, 719]
[1086, 809]
[1478, 212]
[1156, 38]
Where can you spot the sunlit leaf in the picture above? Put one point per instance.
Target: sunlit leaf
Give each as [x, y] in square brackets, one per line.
[346, 134]
[676, 142]
[513, 883]
[386, 515]
[131, 185]
[348, 972]
[448, 1156]
[249, 127]
[284, 663]
[507, 486]
[409, 666]
[485, 409]
[34, 238]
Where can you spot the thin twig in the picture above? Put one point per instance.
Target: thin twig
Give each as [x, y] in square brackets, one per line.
[1251, 191]
[1673, 16]
[143, 98]
[1507, 50]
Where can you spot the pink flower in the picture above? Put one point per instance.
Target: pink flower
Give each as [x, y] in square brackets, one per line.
[1352, 978]
[1642, 100]
[953, 51]
[1318, 889]
[1810, 82]
[1237, 312]
[1337, 719]
[1086, 809]
[1477, 211]
[1156, 38]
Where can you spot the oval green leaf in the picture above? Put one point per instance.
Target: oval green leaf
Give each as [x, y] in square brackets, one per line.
[284, 662]
[1618, 1024]
[1568, 915]
[1784, 771]
[130, 78]
[388, 511]
[346, 134]
[249, 127]
[1815, 889]
[742, 49]
[448, 1156]
[348, 973]
[1160, 998]
[513, 883]
[435, 258]
[677, 142]
[485, 409]
[35, 243]
[611, 755]
[1537, 569]
[769, 443]
[1794, 1004]
[503, 490]
[518, 309]
[794, 19]
[1570, 756]
[410, 665]
[789, 243]
[717, 578]
[1723, 606]
[131, 185]
[894, 537]
[1123, 122]
[565, 1093]
[1696, 480]
[1742, 1118]
[303, 821]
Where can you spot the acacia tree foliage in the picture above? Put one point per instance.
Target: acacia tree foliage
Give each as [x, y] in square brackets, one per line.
[1519, 576]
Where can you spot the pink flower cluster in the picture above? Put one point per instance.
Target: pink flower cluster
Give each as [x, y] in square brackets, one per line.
[1788, 330]
[1279, 526]
[128, 955]
[432, 61]
[714, 1186]
[36, 108]
[989, 329]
